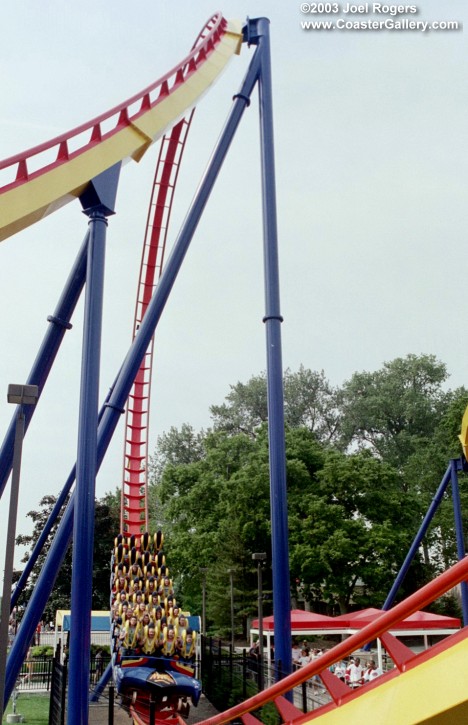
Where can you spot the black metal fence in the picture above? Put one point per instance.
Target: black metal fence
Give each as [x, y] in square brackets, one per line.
[231, 676]
[58, 693]
[36, 673]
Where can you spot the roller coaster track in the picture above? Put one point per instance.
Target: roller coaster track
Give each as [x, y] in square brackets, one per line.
[35, 183]
[134, 500]
[134, 503]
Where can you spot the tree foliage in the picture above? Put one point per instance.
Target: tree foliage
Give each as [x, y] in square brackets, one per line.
[348, 532]
[396, 410]
[310, 401]
[363, 463]
[107, 522]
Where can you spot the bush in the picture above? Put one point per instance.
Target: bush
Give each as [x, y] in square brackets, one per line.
[42, 651]
[104, 648]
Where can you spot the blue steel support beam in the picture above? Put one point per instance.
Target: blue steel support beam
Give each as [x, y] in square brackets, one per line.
[100, 196]
[39, 545]
[419, 537]
[461, 551]
[101, 685]
[39, 597]
[53, 516]
[128, 371]
[273, 320]
[10, 550]
[60, 323]
[86, 469]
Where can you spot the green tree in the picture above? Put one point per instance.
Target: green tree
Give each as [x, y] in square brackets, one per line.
[246, 408]
[309, 401]
[347, 526]
[349, 530]
[210, 507]
[178, 445]
[106, 527]
[423, 473]
[362, 466]
[312, 402]
[395, 411]
[107, 523]
[60, 595]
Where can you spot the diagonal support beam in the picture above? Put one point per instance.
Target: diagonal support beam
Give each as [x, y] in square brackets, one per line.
[129, 369]
[60, 323]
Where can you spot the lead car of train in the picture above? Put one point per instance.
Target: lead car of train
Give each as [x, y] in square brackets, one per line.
[154, 642]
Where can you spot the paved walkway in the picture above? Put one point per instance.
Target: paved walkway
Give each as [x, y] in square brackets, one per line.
[203, 711]
[99, 712]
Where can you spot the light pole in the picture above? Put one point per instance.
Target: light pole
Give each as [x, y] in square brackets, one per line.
[203, 571]
[231, 580]
[260, 558]
[20, 395]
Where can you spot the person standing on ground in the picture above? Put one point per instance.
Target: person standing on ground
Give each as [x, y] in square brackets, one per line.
[372, 671]
[356, 674]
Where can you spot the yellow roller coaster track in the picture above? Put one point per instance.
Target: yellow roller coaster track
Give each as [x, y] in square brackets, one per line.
[39, 181]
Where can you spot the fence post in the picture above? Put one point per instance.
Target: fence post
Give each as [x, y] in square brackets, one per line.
[218, 672]
[210, 667]
[64, 691]
[51, 699]
[304, 696]
[50, 665]
[201, 660]
[244, 674]
[152, 711]
[111, 704]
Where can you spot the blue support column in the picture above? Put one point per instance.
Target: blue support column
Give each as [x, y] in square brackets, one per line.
[53, 516]
[454, 463]
[39, 597]
[83, 528]
[115, 406]
[273, 320]
[40, 543]
[98, 201]
[419, 537]
[60, 323]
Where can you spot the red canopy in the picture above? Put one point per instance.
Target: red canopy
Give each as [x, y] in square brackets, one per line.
[418, 620]
[304, 621]
[427, 620]
[300, 620]
[358, 619]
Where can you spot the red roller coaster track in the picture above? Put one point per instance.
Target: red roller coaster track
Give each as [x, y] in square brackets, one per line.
[36, 182]
[134, 504]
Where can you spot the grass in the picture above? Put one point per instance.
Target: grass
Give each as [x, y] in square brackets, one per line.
[34, 708]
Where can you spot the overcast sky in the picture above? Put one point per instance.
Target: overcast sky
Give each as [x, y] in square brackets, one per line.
[371, 160]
